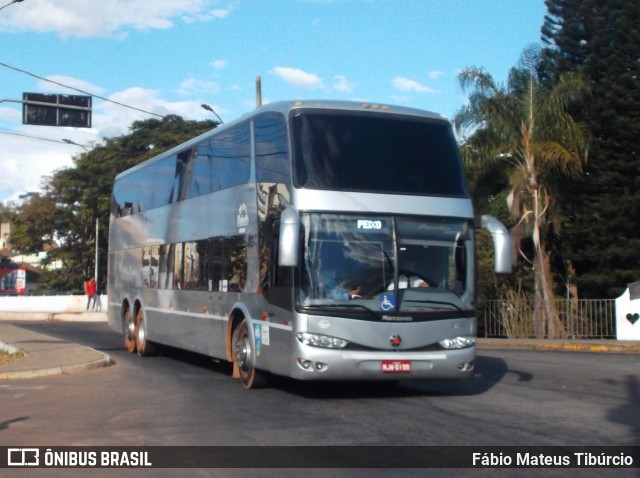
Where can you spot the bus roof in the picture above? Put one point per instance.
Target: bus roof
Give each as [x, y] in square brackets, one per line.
[285, 107]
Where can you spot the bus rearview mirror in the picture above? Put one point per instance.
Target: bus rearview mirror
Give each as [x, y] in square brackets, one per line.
[289, 238]
[501, 244]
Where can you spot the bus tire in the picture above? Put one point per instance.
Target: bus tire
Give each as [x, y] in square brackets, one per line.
[129, 332]
[143, 345]
[244, 358]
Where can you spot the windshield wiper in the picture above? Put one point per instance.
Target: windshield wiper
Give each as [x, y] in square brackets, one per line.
[438, 302]
[345, 306]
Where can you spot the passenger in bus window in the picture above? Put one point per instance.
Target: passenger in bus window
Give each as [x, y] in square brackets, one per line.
[345, 290]
[408, 278]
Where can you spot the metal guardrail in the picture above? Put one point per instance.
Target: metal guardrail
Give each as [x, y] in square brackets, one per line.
[582, 319]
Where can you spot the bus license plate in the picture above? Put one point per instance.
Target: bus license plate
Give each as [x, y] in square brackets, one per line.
[396, 366]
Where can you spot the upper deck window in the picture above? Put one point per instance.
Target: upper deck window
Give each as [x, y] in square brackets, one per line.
[220, 161]
[376, 153]
[272, 149]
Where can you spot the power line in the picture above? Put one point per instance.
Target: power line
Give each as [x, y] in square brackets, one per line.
[10, 3]
[41, 139]
[78, 90]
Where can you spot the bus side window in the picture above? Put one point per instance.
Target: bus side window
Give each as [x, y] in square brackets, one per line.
[194, 257]
[236, 266]
[163, 282]
[227, 264]
[278, 276]
[146, 266]
[271, 257]
[153, 266]
[231, 157]
[178, 270]
[279, 280]
[215, 265]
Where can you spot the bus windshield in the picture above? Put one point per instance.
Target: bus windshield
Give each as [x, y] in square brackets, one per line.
[380, 153]
[387, 264]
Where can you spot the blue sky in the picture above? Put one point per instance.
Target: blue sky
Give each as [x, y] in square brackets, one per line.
[170, 56]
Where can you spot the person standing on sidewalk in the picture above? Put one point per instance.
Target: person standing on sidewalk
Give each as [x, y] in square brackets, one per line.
[90, 290]
[97, 302]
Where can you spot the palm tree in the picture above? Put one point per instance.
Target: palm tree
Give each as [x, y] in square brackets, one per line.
[527, 126]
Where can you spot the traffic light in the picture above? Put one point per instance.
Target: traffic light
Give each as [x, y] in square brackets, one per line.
[56, 110]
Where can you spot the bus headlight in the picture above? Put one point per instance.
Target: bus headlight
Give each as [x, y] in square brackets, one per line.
[457, 343]
[322, 341]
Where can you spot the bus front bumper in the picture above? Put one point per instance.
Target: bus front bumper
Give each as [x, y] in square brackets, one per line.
[313, 363]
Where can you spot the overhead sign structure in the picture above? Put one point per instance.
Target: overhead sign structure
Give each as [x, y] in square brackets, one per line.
[56, 110]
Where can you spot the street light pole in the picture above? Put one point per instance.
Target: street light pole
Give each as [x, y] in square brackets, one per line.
[68, 141]
[209, 108]
[10, 3]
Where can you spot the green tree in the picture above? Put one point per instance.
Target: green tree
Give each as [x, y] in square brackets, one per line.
[600, 39]
[526, 126]
[74, 198]
[31, 227]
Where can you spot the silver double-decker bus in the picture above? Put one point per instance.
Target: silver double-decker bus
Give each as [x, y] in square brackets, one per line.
[317, 240]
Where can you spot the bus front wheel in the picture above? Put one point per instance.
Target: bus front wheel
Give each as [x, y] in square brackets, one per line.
[244, 358]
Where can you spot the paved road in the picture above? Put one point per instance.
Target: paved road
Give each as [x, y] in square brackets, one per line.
[516, 397]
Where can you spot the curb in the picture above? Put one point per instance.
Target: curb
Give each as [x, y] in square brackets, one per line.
[105, 361]
[53, 316]
[45, 356]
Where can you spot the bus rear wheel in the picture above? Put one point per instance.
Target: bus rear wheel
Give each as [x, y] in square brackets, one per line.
[244, 358]
[143, 345]
[129, 332]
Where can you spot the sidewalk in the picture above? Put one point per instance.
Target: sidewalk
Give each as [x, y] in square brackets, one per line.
[45, 355]
[569, 345]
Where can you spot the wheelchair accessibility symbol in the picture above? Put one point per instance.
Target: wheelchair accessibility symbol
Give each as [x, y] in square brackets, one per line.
[388, 302]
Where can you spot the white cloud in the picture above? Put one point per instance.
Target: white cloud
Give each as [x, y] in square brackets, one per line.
[55, 81]
[341, 84]
[410, 86]
[220, 12]
[400, 99]
[194, 86]
[436, 74]
[111, 119]
[10, 114]
[107, 18]
[320, 2]
[297, 77]
[219, 64]
[24, 160]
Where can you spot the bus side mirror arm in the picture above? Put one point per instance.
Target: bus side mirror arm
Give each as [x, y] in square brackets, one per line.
[289, 238]
[501, 243]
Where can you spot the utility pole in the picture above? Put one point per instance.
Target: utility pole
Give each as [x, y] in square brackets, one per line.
[258, 91]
